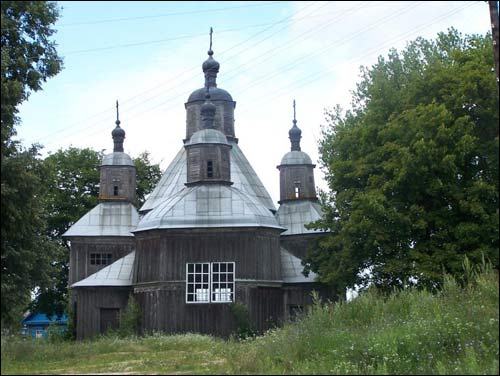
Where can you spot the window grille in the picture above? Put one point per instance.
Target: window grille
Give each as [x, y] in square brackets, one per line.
[210, 282]
[101, 258]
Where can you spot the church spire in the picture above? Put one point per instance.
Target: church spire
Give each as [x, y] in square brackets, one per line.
[295, 134]
[210, 66]
[118, 133]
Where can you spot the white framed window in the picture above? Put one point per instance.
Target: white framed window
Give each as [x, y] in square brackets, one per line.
[210, 282]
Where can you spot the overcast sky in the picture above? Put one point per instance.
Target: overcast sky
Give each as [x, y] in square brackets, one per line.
[148, 55]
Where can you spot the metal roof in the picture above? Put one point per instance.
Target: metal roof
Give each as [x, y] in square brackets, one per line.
[208, 205]
[106, 219]
[118, 273]
[216, 94]
[296, 157]
[294, 214]
[208, 136]
[243, 177]
[117, 158]
[291, 269]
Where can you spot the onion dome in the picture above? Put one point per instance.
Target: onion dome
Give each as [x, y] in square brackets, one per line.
[295, 134]
[118, 134]
[210, 65]
[117, 157]
[210, 69]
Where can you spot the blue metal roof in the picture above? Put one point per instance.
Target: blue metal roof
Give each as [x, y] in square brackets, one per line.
[37, 318]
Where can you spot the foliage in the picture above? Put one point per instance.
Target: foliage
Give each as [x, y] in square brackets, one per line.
[130, 318]
[242, 319]
[407, 332]
[28, 58]
[148, 174]
[27, 251]
[412, 168]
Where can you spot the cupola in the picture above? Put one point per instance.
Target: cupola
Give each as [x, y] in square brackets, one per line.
[296, 169]
[118, 173]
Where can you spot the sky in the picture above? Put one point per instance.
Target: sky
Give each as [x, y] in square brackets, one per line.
[148, 56]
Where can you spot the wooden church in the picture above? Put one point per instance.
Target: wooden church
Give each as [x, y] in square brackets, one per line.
[208, 235]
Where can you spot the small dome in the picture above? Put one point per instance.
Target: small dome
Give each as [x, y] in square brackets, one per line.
[216, 94]
[296, 158]
[118, 132]
[294, 132]
[117, 159]
[208, 136]
[210, 65]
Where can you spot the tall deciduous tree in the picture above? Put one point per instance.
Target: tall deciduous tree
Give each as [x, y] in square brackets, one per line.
[28, 58]
[413, 168]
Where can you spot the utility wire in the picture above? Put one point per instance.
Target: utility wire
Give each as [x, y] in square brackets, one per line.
[196, 67]
[310, 78]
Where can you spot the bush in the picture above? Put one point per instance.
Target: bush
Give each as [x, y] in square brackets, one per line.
[241, 315]
[130, 319]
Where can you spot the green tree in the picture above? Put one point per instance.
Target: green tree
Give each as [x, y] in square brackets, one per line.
[28, 58]
[148, 174]
[412, 168]
[72, 189]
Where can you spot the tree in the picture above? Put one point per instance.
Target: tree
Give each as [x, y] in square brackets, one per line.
[148, 175]
[72, 189]
[28, 58]
[412, 168]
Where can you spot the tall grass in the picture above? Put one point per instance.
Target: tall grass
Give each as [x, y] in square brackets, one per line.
[408, 332]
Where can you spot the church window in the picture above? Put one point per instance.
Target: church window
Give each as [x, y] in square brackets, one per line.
[210, 282]
[101, 258]
[197, 283]
[210, 169]
[297, 192]
[115, 190]
[222, 282]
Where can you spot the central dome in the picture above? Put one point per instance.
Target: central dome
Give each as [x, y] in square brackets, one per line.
[216, 94]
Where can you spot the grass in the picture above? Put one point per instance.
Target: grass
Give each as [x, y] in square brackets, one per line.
[408, 332]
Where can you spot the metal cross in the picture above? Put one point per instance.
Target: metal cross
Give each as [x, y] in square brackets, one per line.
[211, 31]
[294, 110]
[117, 115]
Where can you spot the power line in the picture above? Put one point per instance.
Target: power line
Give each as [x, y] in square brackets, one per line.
[259, 4]
[68, 128]
[309, 79]
[180, 13]
[317, 75]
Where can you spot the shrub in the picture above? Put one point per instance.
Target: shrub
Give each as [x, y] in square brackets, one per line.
[241, 315]
[130, 319]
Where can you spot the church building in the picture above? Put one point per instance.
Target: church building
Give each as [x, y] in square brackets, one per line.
[207, 237]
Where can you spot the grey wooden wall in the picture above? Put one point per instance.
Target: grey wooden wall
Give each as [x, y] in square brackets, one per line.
[297, 175]
[90, 300]
[162, 255]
